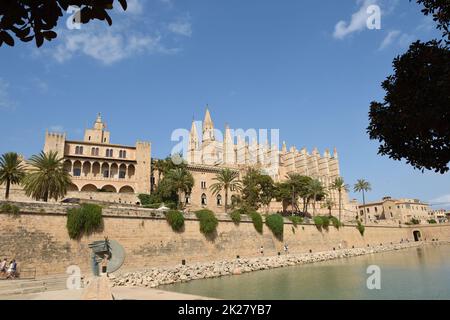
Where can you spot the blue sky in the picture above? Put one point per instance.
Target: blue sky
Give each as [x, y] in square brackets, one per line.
[307, 68]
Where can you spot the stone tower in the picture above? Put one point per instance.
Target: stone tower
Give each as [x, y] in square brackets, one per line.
[98, 134]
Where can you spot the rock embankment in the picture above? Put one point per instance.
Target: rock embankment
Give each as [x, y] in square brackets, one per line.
[155, 277]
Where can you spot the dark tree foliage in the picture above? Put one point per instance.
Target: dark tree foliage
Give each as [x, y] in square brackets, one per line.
[36, 19]
[413, 121]
[440, 10]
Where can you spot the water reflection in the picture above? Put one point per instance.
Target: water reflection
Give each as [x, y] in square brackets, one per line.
[417, 273]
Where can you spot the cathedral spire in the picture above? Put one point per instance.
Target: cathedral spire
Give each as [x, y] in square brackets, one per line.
[208, 127]
[193, 136]
[208, 123]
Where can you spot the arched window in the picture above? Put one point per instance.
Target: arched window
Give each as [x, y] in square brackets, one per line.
[188, 199]
[77, 150]
[204, 200]
[81, 150]
[97, 150]
[93, 152]
[203, 184]
[111, 153]
[219, 200]
[124, 154]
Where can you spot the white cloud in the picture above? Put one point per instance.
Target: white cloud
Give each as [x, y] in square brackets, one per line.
[108, 46]
[427, 24]
[398, 38]
[183, 28]
[135, 6]
[6, 102]
[130, 35]
[357, 23]
[391, 36]
[441, 202]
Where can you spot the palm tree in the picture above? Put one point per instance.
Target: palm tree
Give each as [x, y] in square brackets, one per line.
[329, 204]
[340, 186]
[226, 179]
[11, 170]
[363, 186]
[180, 180]
[316, 189]
[47, 178]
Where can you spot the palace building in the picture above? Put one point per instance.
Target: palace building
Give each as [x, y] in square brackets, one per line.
[101, 170]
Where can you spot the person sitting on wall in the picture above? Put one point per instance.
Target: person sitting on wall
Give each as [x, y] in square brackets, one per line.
[12, 269]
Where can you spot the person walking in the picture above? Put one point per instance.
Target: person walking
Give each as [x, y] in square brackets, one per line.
[11, 273]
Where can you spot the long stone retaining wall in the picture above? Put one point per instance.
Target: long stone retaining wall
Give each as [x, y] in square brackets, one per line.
[38, 238]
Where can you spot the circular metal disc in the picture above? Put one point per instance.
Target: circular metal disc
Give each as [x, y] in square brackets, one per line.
[117, 256]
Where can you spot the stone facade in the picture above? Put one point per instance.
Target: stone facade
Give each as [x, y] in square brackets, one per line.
[38, 238]
[396, 210]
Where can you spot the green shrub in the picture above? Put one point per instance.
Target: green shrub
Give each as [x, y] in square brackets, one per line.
[432, 221]
[86, 219]
[275, 223]
[318, 222]
[208, 221]
[296, 220]
[415, 221]
[145, 199]
[335, 222]
[175, 219]
[257, 221]
[360, 228]
[92, 217]
[325, 222]
[10, 209]
[236, 216]
[6, 208]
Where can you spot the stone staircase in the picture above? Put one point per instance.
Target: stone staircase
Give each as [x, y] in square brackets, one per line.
[9, 288]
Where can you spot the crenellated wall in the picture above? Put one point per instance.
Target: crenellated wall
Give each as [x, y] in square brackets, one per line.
[38, 238]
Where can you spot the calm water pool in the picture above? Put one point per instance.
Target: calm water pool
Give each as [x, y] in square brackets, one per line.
[417, 273]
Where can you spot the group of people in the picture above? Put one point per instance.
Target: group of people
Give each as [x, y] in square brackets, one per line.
[285, 248]
[8, 269]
